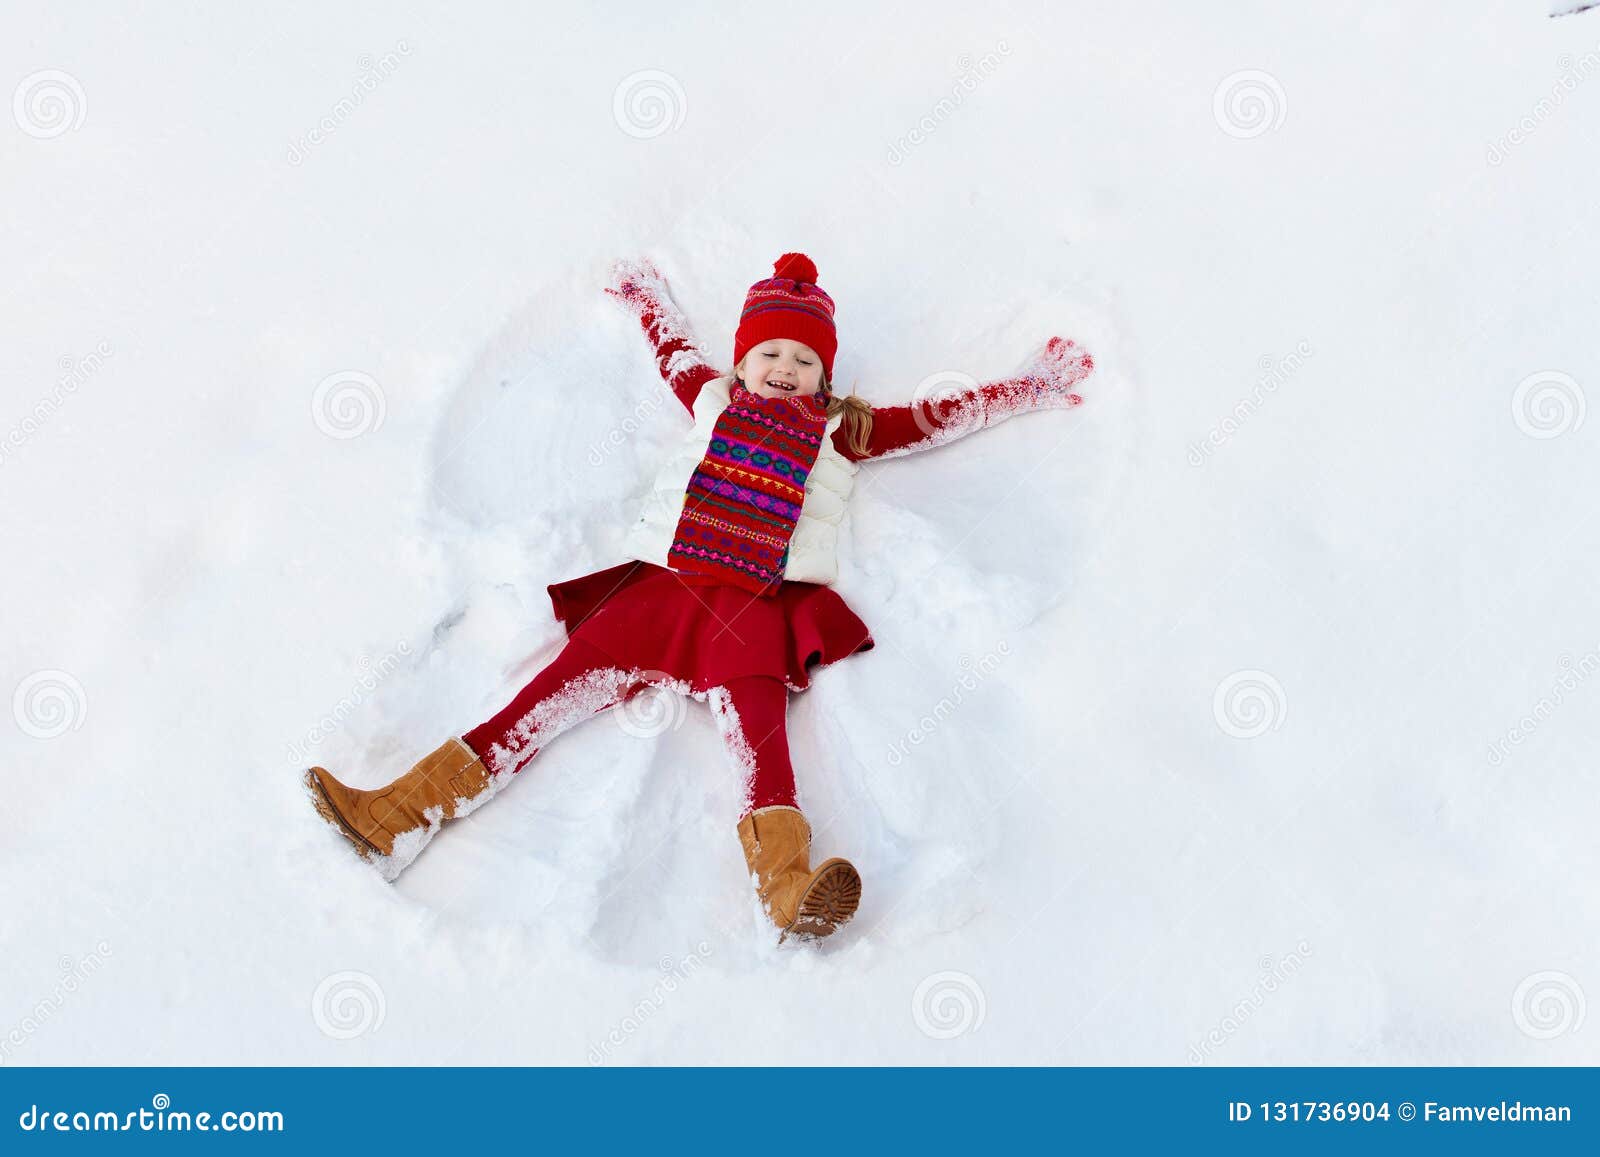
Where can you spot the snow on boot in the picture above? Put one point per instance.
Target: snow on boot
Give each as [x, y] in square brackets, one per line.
[777, 848]
[389, 826]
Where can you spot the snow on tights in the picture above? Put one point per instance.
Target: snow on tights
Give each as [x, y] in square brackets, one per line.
[581, 681]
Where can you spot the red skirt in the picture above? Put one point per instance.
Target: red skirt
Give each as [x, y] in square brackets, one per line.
[706, 632]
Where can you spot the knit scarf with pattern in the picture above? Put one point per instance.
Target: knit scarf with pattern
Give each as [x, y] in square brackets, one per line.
[744, 498]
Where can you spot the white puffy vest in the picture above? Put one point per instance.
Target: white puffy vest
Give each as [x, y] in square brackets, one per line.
[813, 554]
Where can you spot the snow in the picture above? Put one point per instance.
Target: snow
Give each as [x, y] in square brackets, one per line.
[576, 700]
[725, 717]
[310, 394]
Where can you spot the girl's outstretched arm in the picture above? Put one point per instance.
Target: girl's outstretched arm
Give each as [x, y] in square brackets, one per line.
[946, 408]
[639, 286]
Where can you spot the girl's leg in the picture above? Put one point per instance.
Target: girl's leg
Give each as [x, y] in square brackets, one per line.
[750, 714]
[389, 826]
[774, 835]
[577, 683]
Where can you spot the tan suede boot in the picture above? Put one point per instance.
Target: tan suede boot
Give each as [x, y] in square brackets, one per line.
[389, 826]
[777, 848]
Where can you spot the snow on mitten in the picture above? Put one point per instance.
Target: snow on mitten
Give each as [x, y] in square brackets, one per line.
[1046, 384]
[641, 289]
[638, 285]
[1052, 375]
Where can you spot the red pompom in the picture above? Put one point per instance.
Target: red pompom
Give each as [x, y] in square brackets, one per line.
[797, 266]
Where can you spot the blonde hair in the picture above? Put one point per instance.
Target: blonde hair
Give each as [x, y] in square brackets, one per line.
[857, 411]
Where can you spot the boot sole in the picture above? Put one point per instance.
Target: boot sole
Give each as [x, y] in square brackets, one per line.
[319, 800]
[829, 902]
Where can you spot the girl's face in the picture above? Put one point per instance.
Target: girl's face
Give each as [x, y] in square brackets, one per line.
[781, 368]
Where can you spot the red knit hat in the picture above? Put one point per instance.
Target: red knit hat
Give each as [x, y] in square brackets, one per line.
[789, 304]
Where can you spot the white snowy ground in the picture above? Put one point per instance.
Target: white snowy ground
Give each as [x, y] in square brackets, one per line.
[1376, 231]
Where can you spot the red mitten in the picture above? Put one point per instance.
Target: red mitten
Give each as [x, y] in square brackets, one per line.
[638, 284]
[1046, 384]
[1052, 375]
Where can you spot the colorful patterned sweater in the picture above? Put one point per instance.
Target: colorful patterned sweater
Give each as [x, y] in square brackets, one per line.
[744, 499]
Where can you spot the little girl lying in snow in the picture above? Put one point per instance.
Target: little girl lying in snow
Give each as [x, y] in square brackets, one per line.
[727, 593]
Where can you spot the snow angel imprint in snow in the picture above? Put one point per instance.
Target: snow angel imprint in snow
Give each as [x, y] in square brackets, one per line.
[725, 594]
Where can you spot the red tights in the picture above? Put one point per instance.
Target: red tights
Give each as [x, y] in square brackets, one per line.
[581, 681]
